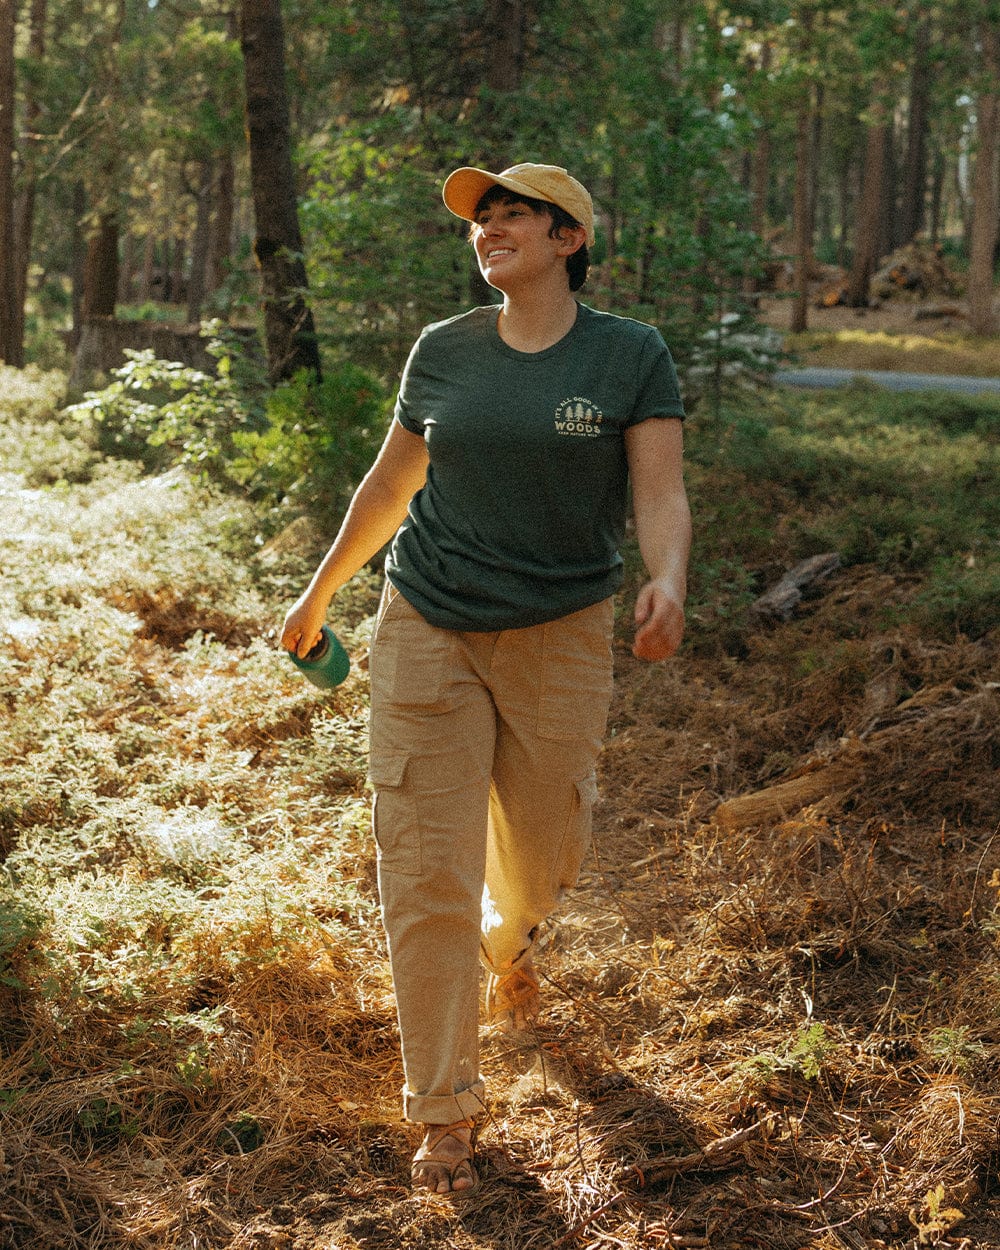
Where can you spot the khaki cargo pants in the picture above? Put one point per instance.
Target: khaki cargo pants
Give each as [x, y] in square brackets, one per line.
[483, 749]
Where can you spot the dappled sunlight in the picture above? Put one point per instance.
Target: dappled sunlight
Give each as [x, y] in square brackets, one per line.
[897, 350]
[195, 981]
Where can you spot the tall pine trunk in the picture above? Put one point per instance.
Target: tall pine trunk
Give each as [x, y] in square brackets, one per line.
[910, 218]
[24, 217]
[11, 342]
[985, 191]
[200, 244]
[222, 221]
[868, 227]
[802, 212]
[100, 269]
[288, 323]
[504, 23]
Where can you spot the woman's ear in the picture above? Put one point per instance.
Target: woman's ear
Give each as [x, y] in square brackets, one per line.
[570, 239]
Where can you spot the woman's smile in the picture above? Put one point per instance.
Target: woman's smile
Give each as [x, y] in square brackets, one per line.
[505, 231]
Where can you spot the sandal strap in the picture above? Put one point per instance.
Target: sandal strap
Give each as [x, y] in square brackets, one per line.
[448, 1130]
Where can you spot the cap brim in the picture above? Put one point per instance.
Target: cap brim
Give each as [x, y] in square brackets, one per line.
[463, 190]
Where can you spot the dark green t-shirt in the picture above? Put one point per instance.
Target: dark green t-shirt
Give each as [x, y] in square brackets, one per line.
[523, 511]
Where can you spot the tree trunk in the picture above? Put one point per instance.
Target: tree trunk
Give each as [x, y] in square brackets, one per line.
[11, 342]
[504, 44]
[200, 245]
[148, 261]
[802, 213]
[222, 221]
[288, 323]
[868, 228]
[985, 191]
[126, 269]
[760, 174]
[503, 52]
[910, 218]
[78, 256]
[890, 180]
[760, 180]
[176, 284]
[25, 214]
[937, 195]
[100, 269]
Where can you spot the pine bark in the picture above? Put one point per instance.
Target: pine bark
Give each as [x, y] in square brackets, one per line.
[802, 213]
[910, 218]
[985, 192]
[868, 228]
[11, 342]
[100, 269]
[222, 221]
[201, 243]
[504, 51]
[289, 329]
[24, 217]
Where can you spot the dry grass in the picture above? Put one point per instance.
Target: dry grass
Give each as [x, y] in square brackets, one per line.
[781, 1036]
[891, 337]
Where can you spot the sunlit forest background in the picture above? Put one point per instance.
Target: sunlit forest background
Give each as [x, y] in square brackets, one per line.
[771, 1010]
[157, 161]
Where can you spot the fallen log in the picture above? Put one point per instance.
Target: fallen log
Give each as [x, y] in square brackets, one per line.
[778, 603]
[937, 714]
[780, 801]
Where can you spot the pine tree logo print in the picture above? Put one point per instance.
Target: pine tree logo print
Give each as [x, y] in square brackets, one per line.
[580, 417]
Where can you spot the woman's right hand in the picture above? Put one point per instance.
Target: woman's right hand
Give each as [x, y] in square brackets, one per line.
[303, 625]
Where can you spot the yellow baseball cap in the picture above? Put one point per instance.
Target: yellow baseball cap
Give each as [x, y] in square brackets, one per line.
[464, 189]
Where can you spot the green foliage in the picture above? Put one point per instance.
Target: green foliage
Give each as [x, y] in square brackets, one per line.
[385, 257]
[319, 440]
[135, 858]
[954, 1047]
[241, 1136]
[305, 442]
[20, 925]
[934, 1220]
[805, 1054]
[163, 412]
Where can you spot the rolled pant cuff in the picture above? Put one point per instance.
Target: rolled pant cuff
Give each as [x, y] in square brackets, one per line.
[445, 1109]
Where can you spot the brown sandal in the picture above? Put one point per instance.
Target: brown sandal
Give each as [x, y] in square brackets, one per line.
[512, 998]
[455, 1168]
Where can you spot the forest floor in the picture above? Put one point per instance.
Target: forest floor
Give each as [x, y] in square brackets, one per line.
[905, 334]
[771, 1008]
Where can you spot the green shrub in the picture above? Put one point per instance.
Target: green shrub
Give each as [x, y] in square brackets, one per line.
[318, 440]
[304, 442]
[959, 598]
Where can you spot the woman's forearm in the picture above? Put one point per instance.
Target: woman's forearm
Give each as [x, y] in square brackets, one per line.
[663, 530]
[375, 513]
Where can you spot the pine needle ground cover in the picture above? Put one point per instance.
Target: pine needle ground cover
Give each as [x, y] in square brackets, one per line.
[756, 1035]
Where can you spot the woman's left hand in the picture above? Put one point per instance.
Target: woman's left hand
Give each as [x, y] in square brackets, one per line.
[659, 621]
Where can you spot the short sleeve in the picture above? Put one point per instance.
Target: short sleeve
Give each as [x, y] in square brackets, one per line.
[658, 391]
[407, 410]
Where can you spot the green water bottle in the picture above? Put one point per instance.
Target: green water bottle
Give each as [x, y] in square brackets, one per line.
[327, 664]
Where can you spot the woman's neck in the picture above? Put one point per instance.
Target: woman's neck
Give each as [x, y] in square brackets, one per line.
[536, 324]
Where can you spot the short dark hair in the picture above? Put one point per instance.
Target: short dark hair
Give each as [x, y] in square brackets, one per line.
[577, 265]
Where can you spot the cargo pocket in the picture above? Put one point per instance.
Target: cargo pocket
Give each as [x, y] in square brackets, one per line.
[395, 823]
[576, 675]
[576, 840]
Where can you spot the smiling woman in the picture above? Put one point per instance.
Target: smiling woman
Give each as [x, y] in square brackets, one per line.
[502, 485]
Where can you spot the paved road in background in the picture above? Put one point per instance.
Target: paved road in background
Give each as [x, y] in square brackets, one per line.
[823, 378]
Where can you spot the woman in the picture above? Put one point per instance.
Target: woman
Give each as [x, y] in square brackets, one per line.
[502, 485]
